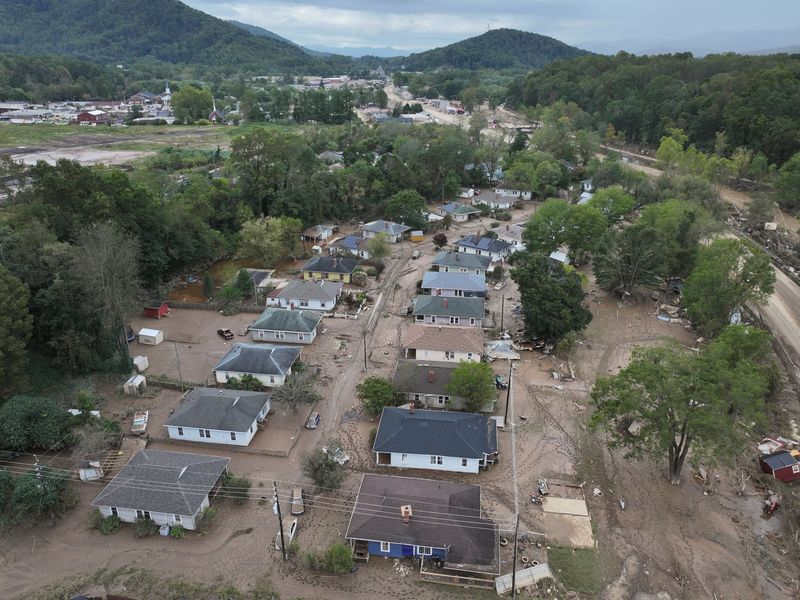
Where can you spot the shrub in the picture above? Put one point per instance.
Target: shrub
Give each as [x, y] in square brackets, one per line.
[371, 271]
[312, 560]
[339, 559]
[294, 548]
[323, 470]
[373, 433]
[237, 487]
[95, 519]
[145, 528]
[110, 525]
[494, 224]
[375, 393]
[206, 518]
[177, 531]
[502, 215]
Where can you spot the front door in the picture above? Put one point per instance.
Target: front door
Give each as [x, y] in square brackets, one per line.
[408, 550]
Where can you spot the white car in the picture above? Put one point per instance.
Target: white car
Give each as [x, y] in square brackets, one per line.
[289, 530]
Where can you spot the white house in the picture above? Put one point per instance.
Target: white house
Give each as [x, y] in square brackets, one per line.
[453, 285]
[269, 363]
[394, 232]
[466, 193]
[461, 262]
[292, 326]
[435, 440]
[459, 213]
[512, 234]
[501, 191]
[169, 488]
[318, 233]
[217, 416]
[498, 202]
[496, 250]
[313, 295]
[443, 344]
[351, 244]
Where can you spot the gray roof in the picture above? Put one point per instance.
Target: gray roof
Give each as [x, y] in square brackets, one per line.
[224, 410]
[456, 208]
[438, 508]
[331, 264]
[440, 433]
[453, 281]
[311, 290]
[510, 230]
[166, 482]
[462, 259]
[317, 231]
[389, 227]
[413, 376]
[470, 308]
[287, 319]
[483, 243]
[262, 359]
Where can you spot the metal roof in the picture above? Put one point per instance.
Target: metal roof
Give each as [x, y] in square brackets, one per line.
[311, 290]
[470, 308]
[445, 280]
[462, 259]
[261, 359]
[381, 226]
[225, 410]
[779, 460]
[287, 319]
[483, 243]
[456, 208]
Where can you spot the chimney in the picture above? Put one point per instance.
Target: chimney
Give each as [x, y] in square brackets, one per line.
[431, 376]
[385, 225]
[405, 511]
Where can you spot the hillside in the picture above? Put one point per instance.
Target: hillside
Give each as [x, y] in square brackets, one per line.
[495, 49]
[119, 31]
[261, 32]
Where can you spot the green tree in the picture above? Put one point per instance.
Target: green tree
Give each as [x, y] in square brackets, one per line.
[760, 210]
[16, 324]
[39, 493]
[407, 206]
[473, 381]
[208, 285]
[440, 240]
[381, 99]
[269, 239]
[519, 143]
[299, 388]
[728, 274]
[627, 259]
[247, 383]
[323, 470]
[191, 104]
[584, 227]
[244, 283]
[237, 487]
[552, 299]
[378, 247]
[6, 488]
[375, 393]
[339, 559]
[613, 202]
[546, 229]
[787, 186]
[33, 424]
[678, 402]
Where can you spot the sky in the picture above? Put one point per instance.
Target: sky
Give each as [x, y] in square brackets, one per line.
[412, 25]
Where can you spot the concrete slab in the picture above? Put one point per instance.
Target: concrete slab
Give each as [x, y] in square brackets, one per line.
[568, 530]
[565, 506]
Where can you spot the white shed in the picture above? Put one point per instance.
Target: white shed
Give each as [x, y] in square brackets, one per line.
[141, 363]
[151, 337]
[135, 385]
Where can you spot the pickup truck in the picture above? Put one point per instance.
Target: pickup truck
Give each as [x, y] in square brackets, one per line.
[140, 422]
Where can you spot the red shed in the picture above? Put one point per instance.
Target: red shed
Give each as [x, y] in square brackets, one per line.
[157, 310]
[93, 116]
[782, 465]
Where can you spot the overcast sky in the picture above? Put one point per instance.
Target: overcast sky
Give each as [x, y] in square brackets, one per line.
[413, 25]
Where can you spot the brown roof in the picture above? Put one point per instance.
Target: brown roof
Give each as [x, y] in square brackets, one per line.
[456, 339]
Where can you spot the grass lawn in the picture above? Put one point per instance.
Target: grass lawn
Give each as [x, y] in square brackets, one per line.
[14, 136]
[582, 570]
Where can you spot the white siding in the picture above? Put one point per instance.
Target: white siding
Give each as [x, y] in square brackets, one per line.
[453, 293]
[301, 303]
[423, 461]
[192, 434]
[392, 239]
[447, 321]
[495, 256]
[128, 515]
[286, 337]
[441, 355]
[479, 272]
[266, 380]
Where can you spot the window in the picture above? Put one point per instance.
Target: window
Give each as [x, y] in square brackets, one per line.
[469, 355]
[419, 318]
[301, 336]
[449, 355]
[303, 301]
[272, 378]
[403, 457]
[204, 433]
[176, 519]
[424, 550]
[441, 400]
[453, 320]
[436, 460]
[233, 436]
[385, 546]
[142, 514]
[251, 429]
[114, 511]
[180, 430]
[458, 293]
[472, 321]
[279, 335]
[433, 318]
[795, 468]
[463, 462]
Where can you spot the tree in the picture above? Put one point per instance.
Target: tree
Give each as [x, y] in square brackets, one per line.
[191, 104]
[679, 402]
[583, 229]
[552, 299]
[378, 247]
[269, 239]
[237, 487]
[33, 424]
[760, 210]
[381, 99]
[407, 206]
[787, 186]
[728, 274]
[339, 559]
[545, 230]
[613, 202]
[247, 383]
[39, 493]
[6, 489]
[375, 393]
[473, 381]
[323, 470]
[16, 324]
[299, 388]
[440, 240]
[244, 283]
[208, 285]
[519, 143]
[627, 259]
[107, 267]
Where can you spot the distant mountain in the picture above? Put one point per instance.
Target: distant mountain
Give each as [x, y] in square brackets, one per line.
[120, 31]
[359, 51]
[261, 32]
[495, 49]
[786, 50]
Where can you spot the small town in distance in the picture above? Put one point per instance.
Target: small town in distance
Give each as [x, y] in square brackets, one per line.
[510, 317]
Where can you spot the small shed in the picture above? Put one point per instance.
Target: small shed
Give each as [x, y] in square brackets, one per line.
[135, 385]
[156, 310]
[151, 337]
[141, 363]
[782, 465]
[417, 236]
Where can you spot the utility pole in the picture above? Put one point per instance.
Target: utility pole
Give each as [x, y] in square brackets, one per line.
[508, 396]
[280, 519]
[502, 312]
[365, 349]
[514, 563]
[178, 360]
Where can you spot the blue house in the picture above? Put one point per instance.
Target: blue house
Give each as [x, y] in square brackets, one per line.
[423, 518]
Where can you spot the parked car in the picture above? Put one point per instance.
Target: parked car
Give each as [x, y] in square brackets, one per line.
[139, 424]
[298, 503]
[289, 531]
[415, 255]
[313, 420]
[225, 333]
[500, 382]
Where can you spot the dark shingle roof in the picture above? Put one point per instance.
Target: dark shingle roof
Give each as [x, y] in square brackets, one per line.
[441, 433]
[422, 377]
[225, 410]
[449, 307]
[453, 281]
[331, 264]
[462, 259]
[483, 243]
[161, 481]
[311, 290]
[778, 460]
[262, 359]
[389, 227]
[376, 516]
[286, 319]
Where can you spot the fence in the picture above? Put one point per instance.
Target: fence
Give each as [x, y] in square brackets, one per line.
[213, 306]
[460, 580]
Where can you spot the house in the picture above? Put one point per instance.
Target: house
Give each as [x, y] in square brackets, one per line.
[437, 310]
[511, 233]
[498, 202]
[394, 232]
[392, 518]
[460, 285]
[461, 262]
[443, 344]
[169, 488]
[314, 295]
[352, 244]
[261, 278]
[329, 157]
[783, 465]
[466, 193]
[559, 257]
[584, 198]
[587, 185]
[93, 117]
[497, 250]
[501, 191]
[427, 384]
[143, 98]
[268, 363]
[293, 326]
[460, 213]
[216, 416]
[27, 115]
[317, 233]
[332, 268]
[437, 440]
